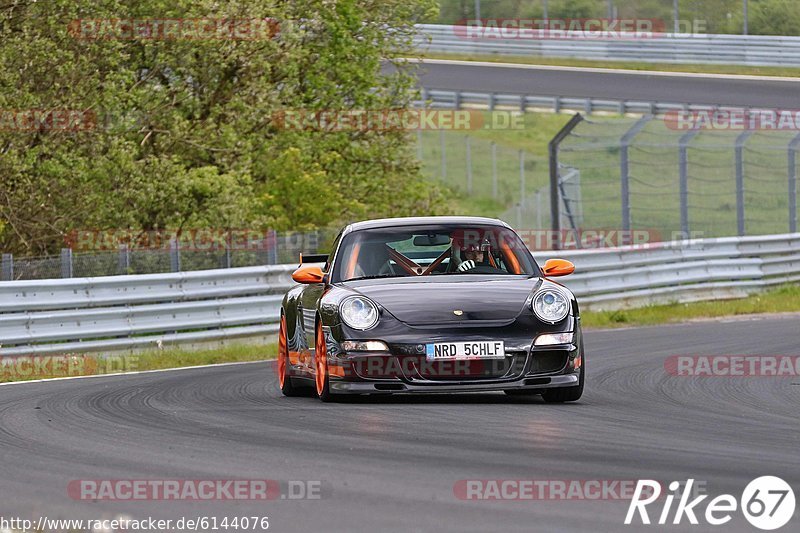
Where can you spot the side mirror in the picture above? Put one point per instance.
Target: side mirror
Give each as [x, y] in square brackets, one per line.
[308, 274]
[557, 267]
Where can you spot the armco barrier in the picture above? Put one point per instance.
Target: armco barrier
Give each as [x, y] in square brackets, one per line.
[752, 50]
[118, 313]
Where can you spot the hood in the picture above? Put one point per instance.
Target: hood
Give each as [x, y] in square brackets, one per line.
[423, 302]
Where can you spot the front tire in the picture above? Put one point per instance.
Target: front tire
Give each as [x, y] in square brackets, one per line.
[322, 378]
[566, 394]
[288, 388]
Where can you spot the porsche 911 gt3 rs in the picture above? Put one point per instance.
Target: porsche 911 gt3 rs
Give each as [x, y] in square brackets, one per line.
[430, 304]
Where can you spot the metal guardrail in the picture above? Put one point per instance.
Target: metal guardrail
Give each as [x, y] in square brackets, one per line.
[118, 313]
[442, 98]
[751, 50]
[692, 270]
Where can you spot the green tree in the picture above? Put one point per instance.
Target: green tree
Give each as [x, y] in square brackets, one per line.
[185, 133]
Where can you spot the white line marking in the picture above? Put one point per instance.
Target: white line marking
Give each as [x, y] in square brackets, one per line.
[600, 70]
[134, 372]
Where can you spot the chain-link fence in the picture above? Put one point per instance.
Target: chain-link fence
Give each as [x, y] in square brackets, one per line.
[491, 179]
[647, 174]
[176, 256]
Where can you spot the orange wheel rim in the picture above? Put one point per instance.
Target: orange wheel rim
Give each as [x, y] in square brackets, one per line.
[282, 355]
[321, 356]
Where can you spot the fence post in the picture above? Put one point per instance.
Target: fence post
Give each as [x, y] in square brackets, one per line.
[683, 163]
[741, 139]
[624, 175]
[555, 208]
[228, 244]
[522, 178]
[124, 259]
[469, 164]
[444, 154]
[174, 255]
[273, 247]
[66, 262]
[793, 145]
[539, 209]
[494, 170]
[7, 267]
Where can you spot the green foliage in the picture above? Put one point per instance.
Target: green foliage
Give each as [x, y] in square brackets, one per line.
[771, 17]
[185, 135]
[766, 17]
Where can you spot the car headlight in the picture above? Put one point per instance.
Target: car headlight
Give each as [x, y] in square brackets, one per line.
[550, 305]
[358, 312]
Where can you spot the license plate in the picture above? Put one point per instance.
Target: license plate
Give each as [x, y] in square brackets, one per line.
[465, 350]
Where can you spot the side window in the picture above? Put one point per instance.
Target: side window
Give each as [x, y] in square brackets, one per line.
[329, 262]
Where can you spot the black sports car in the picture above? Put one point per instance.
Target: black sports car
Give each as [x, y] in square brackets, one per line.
[434, 304]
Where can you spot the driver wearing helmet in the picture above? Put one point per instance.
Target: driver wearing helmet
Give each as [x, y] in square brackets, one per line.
[473, 255]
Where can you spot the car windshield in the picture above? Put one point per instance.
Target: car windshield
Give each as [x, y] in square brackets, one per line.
[442, 250]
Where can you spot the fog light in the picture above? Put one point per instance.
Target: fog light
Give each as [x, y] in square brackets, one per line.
[364, 346]
[549, 339]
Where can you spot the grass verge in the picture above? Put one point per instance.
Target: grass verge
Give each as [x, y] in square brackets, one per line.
[627, 65]
[781, 300]
[70, 365]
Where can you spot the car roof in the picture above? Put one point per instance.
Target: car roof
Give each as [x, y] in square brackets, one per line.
[422, 221]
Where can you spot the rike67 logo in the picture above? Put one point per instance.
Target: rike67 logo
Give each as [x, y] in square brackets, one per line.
[767, 502]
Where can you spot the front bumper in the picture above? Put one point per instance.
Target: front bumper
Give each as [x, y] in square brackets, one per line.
[402, 370]
[396, 386]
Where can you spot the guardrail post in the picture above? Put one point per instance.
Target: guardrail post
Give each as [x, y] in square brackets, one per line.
[494, 170]
[793, 145]
[741, 139]
[174, 255]
[683, 164]
[7, 268]
[491, 101]
[469, 164]
[124, 259]
[552, 148]
[624, 175]
[66, 262]
[587, 106]
[457, 100]
[523, 105]
[556, 104]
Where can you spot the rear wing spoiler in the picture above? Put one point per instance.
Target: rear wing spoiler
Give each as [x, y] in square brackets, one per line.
[313, 258]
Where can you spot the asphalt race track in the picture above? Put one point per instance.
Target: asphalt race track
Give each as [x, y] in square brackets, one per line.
[391, 464]
[610, 84]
